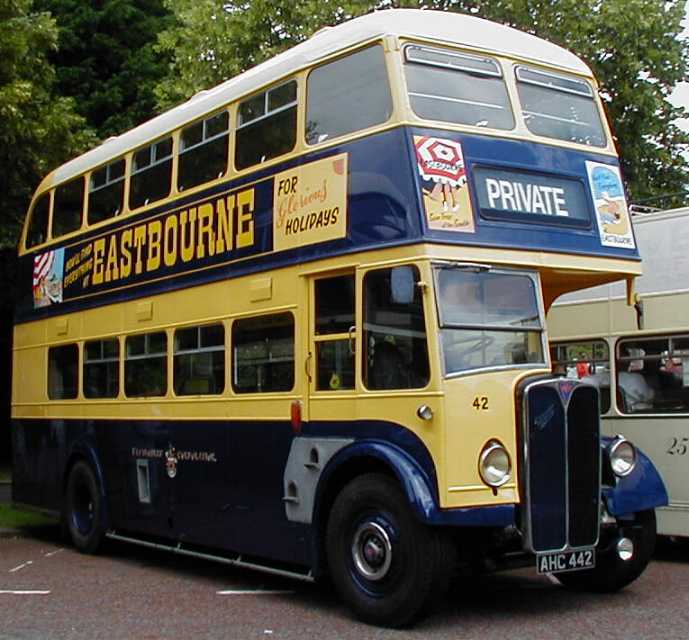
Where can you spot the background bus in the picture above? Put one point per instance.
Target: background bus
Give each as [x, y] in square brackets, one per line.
[639, 357]
[297, 323]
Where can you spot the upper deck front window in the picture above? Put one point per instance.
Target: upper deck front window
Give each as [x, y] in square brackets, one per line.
[456, 87]
[560, 107]
[488, 318]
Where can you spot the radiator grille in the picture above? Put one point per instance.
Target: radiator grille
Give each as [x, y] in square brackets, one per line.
[561, 465]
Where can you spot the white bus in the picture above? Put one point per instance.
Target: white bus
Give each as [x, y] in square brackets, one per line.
[639, 356]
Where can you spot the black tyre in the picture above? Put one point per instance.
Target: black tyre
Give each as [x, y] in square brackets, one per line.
[386, 565]
[84, 509]
[612, 572]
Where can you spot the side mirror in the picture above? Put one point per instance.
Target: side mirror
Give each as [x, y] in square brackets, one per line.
[402, 283]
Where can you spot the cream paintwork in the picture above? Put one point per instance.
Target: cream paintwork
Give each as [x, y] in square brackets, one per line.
[602, 314]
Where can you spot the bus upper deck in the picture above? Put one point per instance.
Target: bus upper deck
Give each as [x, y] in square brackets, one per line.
[347, 128]
[301, 318]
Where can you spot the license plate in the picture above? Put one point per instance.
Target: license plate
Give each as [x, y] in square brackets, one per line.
[559, 562]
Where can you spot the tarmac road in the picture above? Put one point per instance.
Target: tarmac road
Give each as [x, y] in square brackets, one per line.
[48, 590]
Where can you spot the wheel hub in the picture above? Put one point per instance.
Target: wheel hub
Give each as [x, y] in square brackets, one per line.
[372, 551]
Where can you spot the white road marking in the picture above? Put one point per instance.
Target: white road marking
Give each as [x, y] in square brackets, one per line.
[15, 592]
[21, 566]
[253, 592]
[52, 553]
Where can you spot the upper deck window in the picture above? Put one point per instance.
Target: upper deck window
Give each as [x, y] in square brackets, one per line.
[267, 125]
[488, 318]
[203, 151]
[151, 174]
[560, 107]
[456, 87]
[106, 192]
[347, 95]
[38, 225]
[67, 207]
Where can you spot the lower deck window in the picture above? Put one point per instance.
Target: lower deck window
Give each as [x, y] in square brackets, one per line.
[199, 362]
[145, 366]
[585, 360]
[63, 372]
[653, 375]
[263, 350]
[101, 368]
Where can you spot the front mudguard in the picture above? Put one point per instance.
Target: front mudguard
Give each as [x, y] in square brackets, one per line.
[642, 489]
[419, 487]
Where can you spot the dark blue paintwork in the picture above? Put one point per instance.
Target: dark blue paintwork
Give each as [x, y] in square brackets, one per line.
[642, 489]
[234, 503]
[384, 209]
[547, 461]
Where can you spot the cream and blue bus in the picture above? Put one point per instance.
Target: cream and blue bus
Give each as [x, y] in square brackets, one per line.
[297, 323]
[638, 356]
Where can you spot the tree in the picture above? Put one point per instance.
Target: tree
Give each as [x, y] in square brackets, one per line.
[38, 130]
[105, 59]
[213, 41]
[631, 46]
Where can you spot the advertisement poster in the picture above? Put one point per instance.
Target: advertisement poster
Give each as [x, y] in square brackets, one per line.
[310, 203]
[444, 184]
[610, 204]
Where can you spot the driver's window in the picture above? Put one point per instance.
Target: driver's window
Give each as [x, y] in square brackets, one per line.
[394, 336]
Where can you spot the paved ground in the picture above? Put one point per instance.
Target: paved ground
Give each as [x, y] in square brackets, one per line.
[50, 591]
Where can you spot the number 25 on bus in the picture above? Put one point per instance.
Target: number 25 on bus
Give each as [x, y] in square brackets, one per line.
[297, 323]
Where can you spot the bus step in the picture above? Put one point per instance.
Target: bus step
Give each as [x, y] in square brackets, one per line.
[176, 547]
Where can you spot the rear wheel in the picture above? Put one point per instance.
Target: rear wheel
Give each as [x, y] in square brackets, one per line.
[83, 512]
[620, 559]
[385, 564]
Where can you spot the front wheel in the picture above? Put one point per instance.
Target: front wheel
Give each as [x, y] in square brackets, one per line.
[384, 563]
[83, 508]
[620, 559]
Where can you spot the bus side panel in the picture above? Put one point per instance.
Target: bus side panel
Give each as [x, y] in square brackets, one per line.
[38, 458]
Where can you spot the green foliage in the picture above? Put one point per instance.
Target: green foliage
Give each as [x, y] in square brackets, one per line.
[630, 45]
[38, 130]
[15, 519]
[105, 59]
[214, 41]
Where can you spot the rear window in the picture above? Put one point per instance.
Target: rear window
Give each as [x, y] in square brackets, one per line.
[38, 223]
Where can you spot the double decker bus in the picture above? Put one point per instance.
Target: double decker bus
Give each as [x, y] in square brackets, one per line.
[298, 322]
[639, 357]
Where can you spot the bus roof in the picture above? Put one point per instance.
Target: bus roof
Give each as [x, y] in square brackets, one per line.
[448, 27]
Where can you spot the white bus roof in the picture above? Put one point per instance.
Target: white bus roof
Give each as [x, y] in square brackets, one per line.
[455, 28]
